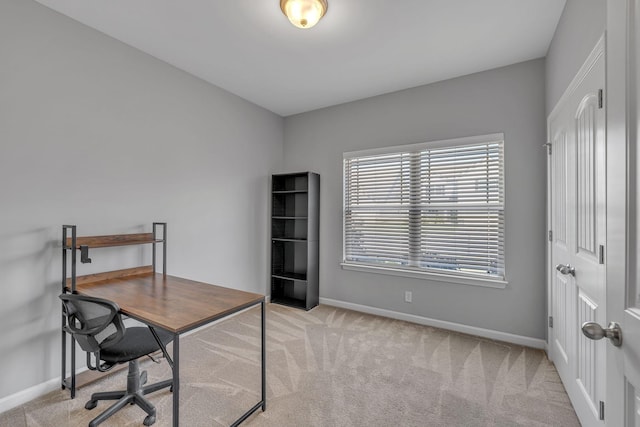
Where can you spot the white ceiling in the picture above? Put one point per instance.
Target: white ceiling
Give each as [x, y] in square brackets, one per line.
[361, 48]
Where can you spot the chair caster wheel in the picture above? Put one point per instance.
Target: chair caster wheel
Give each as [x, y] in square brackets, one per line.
[171, 389]
[149, 420]
[91, 404]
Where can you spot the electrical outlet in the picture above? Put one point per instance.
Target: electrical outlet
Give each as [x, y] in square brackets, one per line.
[408, 295]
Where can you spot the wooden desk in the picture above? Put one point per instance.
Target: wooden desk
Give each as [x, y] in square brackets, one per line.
[176, 305]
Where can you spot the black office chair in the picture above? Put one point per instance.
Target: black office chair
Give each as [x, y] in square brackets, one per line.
[98, 328]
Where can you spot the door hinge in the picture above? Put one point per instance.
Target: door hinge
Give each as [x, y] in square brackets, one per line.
[600, 98]
[601, 410]
[550, 236]
[551, 321]
[548, 146]
[601, 255]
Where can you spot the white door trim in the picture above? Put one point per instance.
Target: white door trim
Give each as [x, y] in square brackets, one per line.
[596, 52]
[622, 220]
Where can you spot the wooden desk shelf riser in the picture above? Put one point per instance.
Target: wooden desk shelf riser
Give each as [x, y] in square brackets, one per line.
[74, 243]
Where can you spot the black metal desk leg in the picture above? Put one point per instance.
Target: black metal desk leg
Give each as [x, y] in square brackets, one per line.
[63, 375]
[264, 359]
[73, 367]
[176, 380]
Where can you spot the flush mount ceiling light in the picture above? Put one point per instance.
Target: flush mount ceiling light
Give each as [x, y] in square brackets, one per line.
[304, 13]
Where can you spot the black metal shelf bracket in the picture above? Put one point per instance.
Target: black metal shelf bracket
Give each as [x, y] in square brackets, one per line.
[84, 254]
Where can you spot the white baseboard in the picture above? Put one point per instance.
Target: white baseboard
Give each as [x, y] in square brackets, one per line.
[457, 327]
[38, 390]
[24, 396]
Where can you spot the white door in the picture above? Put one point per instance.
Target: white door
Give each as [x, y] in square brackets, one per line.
[623, 211]
[578, 225]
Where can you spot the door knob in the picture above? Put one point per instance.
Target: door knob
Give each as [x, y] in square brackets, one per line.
[594, 331]
[566, 269]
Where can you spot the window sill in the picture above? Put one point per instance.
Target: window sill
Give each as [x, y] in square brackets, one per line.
[428, 275]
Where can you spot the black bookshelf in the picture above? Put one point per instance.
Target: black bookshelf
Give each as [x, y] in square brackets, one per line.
[295, 208]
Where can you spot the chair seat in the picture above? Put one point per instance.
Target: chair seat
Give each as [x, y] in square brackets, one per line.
[137, 342]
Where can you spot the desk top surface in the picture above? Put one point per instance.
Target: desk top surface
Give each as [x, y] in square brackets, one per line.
[171, 303]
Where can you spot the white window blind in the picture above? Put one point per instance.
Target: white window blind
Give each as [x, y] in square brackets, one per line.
[433, 206]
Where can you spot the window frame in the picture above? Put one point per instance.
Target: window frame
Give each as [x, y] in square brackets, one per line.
[413, 272]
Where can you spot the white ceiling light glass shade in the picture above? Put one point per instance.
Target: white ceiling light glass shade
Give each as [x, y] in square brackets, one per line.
[304, 13]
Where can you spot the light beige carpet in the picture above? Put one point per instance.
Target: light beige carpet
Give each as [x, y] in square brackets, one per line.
[335, 367]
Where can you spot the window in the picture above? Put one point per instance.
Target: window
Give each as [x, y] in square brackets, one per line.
[435, 207]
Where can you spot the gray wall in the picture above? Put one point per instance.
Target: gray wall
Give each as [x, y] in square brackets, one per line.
[509, 100]
[95, 133]
[580, 26]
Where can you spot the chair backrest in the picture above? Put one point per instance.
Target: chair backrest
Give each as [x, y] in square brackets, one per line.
[94, 322]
